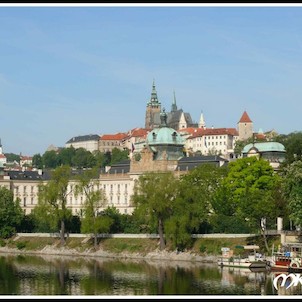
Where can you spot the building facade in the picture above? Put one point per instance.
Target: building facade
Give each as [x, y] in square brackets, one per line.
[89, 142]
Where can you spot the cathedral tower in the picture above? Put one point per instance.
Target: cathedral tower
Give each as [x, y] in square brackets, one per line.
[152, 119]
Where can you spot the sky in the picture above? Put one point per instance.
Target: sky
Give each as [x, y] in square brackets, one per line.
[73, 70]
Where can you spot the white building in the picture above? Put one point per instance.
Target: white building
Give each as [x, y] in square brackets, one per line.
[89, 142]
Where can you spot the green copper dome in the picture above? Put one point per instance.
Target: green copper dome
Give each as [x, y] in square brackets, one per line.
[165, 142]
[164, 136]
[265, 147]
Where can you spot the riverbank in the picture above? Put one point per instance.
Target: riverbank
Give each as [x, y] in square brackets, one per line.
[202, 250]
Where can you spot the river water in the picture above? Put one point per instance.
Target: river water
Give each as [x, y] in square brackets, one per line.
[32, 275]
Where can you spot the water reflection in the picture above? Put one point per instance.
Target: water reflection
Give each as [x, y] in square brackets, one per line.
[62, 275]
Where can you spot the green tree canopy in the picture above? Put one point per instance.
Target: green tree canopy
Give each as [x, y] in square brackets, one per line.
[193, 205]
[292, 183]
[37, 161]
[10, 213]
[154, 194]
[52, 204]
[252, 183]
[293, 146]
[95, 200]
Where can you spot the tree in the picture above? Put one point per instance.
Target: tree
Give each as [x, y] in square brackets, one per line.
[10, 213]
[251, 183]
[192, 206]
[52, 198]
[65, 156]
[50, 159]
[96, 199]
[83, 159]
[11, 157]
[153, 196]
[293, 146]
[118, 155]
[37, 161]
[292, 184]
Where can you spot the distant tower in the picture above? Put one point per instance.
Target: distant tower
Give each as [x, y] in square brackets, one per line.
[245, 127]
[174, 106]
[0, 147]
[202, 123]
[153, 110]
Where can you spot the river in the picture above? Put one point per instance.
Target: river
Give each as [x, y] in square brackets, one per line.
[32, 275]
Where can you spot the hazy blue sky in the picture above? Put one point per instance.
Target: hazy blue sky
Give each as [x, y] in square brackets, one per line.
[70, 71]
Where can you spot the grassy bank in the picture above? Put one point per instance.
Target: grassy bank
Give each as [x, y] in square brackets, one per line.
[143, 246]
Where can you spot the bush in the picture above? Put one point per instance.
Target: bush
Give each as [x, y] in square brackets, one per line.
[20, 245]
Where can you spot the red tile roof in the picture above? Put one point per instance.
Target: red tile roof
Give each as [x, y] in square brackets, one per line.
[214, 131]
[245, 118]
[113, 137]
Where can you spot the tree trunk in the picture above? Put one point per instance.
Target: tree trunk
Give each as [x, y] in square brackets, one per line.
[95, 241]
[62, 232]
[162, 243]
[265, 240]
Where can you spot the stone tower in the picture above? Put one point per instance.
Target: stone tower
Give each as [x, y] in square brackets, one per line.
[152, 119]
[245, 127]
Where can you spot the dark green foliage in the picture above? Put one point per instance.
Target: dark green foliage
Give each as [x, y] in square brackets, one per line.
[27, 224]
[10, 213]
[11, 157]
[37, 161]
[293, 146]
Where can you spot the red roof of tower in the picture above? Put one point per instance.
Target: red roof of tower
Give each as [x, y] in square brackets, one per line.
[245, 118]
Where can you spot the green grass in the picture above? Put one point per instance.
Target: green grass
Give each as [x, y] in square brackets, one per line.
[201, 246]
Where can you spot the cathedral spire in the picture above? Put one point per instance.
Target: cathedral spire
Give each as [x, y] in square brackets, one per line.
[154, 99]
[202, 123]
[174, 106]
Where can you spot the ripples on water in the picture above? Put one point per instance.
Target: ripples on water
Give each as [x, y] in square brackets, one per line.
[79, 276]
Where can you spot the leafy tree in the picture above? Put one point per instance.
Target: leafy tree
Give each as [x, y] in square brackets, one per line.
[52, 204]
[50, 159]
[251, 183]
[154, 194]
[240, 144]
[10, 213]
[93, 222]
[118, 155]
[66, 155]
[11, 157]
[192, 206]
[83, 159]
[293, 146]
[292, 184]
[99, 158]
[116, 216]
[37, 161]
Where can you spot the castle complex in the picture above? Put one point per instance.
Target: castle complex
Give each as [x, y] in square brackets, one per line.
[170, 141]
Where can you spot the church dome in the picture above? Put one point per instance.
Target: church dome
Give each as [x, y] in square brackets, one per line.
[265, 147]
[164, 136]
[165, 142]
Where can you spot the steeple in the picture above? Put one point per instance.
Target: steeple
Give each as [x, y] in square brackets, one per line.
[154, 99]
[174, 106]
[152, 117]
[202, 123]
[245, 118]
